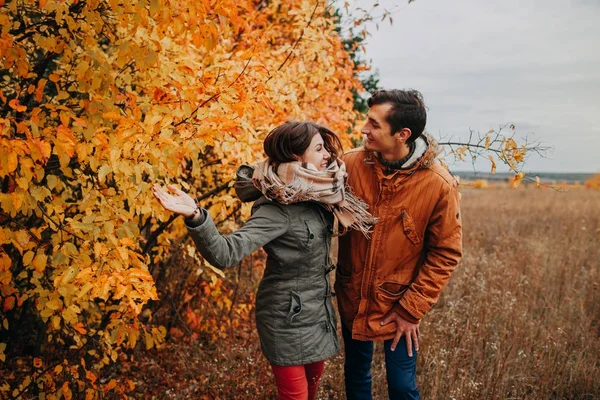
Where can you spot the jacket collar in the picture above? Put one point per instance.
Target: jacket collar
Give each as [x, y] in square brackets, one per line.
[425, 155]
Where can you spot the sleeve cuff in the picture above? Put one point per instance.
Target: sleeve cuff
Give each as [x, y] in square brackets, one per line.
[406, 315]
[194, 223]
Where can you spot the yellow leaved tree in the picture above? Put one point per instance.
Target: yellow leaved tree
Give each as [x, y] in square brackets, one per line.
[102, 98]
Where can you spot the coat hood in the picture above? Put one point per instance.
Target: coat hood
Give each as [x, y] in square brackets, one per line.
[244, 186]
[425, 154]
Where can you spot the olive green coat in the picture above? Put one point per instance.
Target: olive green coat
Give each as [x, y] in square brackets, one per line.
[295, 319]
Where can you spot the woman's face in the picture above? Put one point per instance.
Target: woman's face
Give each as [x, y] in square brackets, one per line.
[316, 153]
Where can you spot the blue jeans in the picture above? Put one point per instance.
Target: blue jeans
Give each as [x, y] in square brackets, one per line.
[400, 369]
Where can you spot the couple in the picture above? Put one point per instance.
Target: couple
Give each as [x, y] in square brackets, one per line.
[390, 272]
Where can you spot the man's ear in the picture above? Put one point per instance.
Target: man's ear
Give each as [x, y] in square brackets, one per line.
[403, 134]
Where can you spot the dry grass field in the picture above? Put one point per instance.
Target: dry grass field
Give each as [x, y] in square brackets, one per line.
[520, 318]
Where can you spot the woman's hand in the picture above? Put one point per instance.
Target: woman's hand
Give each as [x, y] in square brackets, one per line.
[178, 202]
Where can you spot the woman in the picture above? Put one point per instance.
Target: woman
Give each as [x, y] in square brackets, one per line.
[300, 190]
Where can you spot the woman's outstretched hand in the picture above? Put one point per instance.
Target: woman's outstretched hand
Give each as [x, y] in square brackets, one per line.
[178, 201]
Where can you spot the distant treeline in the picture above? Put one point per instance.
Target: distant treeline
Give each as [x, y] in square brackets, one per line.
[544, 176]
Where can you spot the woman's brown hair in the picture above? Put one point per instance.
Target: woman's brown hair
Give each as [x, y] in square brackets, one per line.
[290, 140]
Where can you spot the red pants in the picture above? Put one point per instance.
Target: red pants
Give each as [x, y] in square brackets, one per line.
[298, 382]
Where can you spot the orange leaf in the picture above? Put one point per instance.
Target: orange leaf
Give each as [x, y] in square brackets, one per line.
[91, 376]
[493, 165]
[15, 105]
[9, 303]
[39, 92]
[111, 115]
[268, 103]
[79, 328]
[516, 180]
[110, 385]
[67, 391]
[37, 363]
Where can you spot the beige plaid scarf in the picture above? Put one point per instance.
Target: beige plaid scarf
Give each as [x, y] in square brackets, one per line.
[295, 182]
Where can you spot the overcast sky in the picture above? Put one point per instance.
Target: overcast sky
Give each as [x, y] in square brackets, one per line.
[482, 63]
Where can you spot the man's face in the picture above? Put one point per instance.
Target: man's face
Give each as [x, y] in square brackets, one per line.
[377, 131]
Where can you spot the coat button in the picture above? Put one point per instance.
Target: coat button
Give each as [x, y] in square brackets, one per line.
[311, 236]
[297, 309]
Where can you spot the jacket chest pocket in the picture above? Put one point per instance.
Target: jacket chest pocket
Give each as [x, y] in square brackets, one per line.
[308, 232]
[409, 228]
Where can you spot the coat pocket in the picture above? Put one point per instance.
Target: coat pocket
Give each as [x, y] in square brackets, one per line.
[312, 234]
[307, 232]
[389, 291]
[295, 307]
[408, 226]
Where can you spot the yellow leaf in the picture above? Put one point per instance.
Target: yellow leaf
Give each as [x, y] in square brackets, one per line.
[102, 172]
[39, 262]
[27, 258]
[149, 341]
[2, 355]
[213, 269]
[54, 304]
[518, 155]
[12, 162]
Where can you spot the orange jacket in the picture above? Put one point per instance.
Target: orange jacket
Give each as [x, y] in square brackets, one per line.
[414, 247]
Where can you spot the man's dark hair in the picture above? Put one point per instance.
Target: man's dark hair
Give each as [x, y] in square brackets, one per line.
[408, 110]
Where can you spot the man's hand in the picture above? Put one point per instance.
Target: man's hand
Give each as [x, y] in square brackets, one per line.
[403, 327]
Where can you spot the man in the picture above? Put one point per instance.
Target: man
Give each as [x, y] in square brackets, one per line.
[385, 285]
